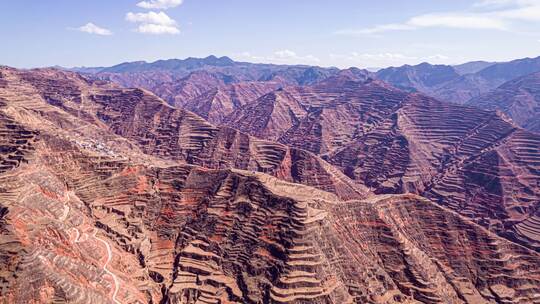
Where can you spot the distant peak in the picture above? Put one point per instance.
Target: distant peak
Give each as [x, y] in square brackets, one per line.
[214, 60]
[134, 62]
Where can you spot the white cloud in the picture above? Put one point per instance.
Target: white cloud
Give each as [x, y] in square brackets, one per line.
[493, 3]
[484, 15]
[376, 29]
[280, 57]
[381, 56]
[503, 3]
[157, 29]
[153, 23]
[288, 55]
[369, 59]
[285, 54]
[458, 21]
[159, 4]
[524, 13]
[151, 17]
[251, 58]
[91, 28]
[462, 21]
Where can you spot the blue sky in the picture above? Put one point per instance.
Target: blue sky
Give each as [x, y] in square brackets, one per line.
[328, 33]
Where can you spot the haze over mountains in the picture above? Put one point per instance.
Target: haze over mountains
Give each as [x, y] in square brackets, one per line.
[452, 84]
[215, 181]
[182, 82]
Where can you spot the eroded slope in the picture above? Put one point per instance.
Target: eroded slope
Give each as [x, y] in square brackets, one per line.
[518, 98]
[170, 133]
[119, 232]
[475, 161]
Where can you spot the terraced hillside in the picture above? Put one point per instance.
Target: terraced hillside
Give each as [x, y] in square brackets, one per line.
[319, 118]
[217, 103]
[229, 83]
[453, 83]
[215, 88]
[208, 94]
[476, 162]
[518, 98]
[161, 130]
[472, 161]
[88, 217]
[397, 142]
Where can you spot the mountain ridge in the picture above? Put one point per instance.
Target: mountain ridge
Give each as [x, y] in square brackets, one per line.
[110, 194]
[94, 210]
[458, 87]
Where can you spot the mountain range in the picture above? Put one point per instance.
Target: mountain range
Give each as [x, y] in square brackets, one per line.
[471, 83]
[181, 82]
[215, 181]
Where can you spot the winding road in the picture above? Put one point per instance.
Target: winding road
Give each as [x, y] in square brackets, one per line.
[109, 258]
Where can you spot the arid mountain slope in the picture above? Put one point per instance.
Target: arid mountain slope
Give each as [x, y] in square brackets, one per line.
[319, 118]
[451, 84]
[397, 142]
[233, 70]
[423, 77]
[472, 161]
[518, 98]
[214, 88]
[184, 91]
[218, 102]
[180, 81]
[472, 67]
[170, 133]
[87, 217]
